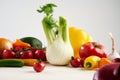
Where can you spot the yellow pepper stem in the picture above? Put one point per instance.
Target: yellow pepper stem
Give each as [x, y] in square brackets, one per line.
[88, 65]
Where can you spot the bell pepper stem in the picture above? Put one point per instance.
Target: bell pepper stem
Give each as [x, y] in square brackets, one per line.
[88, 64]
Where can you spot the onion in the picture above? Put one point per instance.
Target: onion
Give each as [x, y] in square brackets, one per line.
[5, 44]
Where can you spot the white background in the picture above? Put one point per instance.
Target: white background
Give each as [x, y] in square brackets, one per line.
[19, 18]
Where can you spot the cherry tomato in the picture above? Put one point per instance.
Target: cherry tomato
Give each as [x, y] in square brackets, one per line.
[8, 54]
[75, 62]
[39, 66]
[40, 54]
[26, 54]
[82, 62]
[33, 51]
[16, 49]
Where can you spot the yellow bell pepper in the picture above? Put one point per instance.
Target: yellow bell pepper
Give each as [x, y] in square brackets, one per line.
[78, 37]
[92, 62]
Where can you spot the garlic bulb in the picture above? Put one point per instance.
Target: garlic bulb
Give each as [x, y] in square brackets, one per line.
[114, 53]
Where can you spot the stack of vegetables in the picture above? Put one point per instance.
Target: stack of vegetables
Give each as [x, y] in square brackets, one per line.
[65, 45]
[69, 45]
[24, 51]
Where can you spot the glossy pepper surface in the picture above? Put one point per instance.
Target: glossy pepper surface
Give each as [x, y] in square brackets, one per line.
[92, 62]
[77, 38]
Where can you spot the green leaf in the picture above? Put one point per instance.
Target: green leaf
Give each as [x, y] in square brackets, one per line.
[47, 9]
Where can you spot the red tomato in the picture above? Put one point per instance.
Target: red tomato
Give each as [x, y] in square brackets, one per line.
[92, 48]
[17, 49]
[26, 54]
[40, 54]
[8, 54]
[39, 66]
[33, 51]
[75, 62]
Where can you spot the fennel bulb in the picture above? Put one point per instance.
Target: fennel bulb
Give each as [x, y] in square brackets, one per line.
[59, 52]
[59, 49]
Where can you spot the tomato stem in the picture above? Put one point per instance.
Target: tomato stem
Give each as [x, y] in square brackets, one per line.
[72, 57]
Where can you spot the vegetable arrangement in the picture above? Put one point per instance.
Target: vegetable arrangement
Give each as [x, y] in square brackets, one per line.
[65, 46]
[21, 53]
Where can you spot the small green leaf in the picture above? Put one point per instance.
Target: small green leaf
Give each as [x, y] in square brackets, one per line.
[47, 9]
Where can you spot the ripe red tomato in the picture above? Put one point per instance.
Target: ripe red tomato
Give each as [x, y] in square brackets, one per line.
[33, 51]
[26, 54]
[92, 48]
[75, 62]
[39, 66]
[40, 54]
[17, 49]
[8, 54]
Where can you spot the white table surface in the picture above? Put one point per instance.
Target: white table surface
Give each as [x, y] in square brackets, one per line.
[49, 73]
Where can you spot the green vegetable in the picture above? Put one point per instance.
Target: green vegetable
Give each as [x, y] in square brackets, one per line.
[59, 49]
[11, 63]
[34, 42]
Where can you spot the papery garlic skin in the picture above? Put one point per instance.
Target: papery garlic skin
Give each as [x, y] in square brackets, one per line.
[114, 55]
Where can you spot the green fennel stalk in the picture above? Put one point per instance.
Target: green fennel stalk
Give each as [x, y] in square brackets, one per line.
[51, 28]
